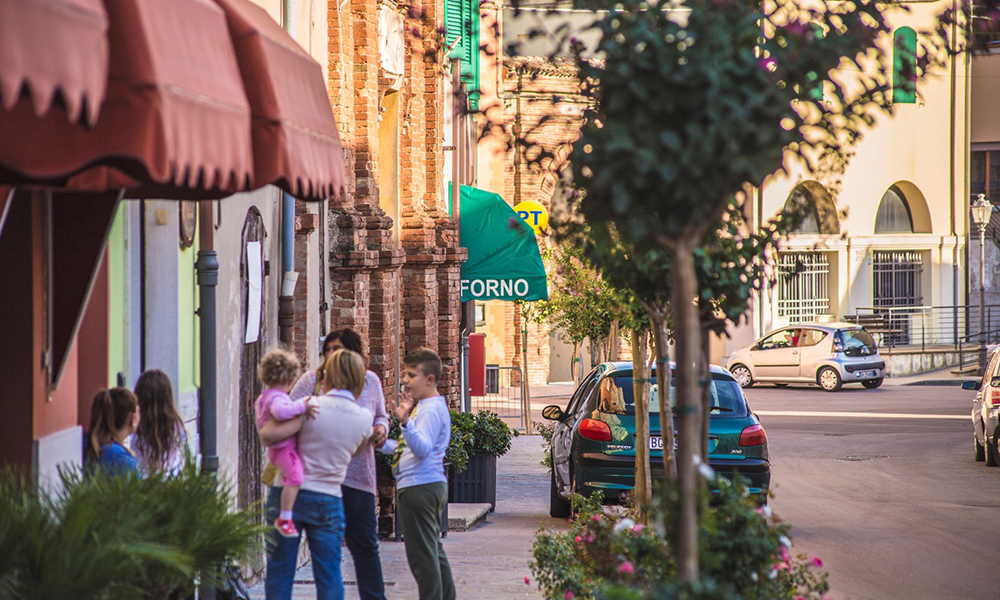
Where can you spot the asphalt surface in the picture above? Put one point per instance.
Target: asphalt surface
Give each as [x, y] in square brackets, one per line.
[882, 486]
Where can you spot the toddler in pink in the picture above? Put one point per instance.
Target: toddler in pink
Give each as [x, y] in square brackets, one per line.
[278, 371]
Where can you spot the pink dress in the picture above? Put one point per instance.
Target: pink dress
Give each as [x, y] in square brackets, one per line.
[275, 404]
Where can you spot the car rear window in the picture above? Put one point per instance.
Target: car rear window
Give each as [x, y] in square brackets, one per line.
[615, 396]
[857, 342]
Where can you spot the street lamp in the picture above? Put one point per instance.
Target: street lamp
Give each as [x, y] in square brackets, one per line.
[981, 210]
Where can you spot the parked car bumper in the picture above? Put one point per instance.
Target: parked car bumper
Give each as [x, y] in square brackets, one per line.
[860, 371]
[615, 475]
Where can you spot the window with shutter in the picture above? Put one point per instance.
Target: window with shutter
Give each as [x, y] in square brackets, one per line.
[904, 66]
[461, 18]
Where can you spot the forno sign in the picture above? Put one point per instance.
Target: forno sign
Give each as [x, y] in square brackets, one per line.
[491, 288]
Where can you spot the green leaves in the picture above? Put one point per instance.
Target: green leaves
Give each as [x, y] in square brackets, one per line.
[108, 537]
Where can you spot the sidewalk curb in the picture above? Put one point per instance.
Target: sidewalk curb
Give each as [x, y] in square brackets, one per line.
[464, 517]
[937, 382]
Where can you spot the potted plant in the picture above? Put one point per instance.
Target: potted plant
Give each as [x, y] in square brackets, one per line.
[483, 437]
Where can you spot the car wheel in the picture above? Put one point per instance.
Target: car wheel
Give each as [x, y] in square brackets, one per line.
[558, 508]
[872, 383]
[742, 375]
[829, 379]
[980, 449]
[991, 450]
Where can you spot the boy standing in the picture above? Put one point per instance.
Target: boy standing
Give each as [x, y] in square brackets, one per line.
[418, 464]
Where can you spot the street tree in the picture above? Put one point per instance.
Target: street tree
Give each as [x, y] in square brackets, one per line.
[688, 107]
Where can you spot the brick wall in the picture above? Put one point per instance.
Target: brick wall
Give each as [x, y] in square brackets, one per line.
[542, 101]
[397, 295]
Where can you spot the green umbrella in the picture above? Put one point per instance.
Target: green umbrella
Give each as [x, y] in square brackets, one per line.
[504, 262]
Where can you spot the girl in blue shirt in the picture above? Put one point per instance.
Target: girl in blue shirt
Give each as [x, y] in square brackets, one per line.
[114, 416]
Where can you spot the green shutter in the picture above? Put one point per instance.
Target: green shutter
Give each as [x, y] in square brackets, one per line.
[461, 17]
[904, 66]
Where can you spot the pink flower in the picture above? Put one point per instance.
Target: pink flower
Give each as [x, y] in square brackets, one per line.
[784, 554]
[817, 561]
[597, 518]
[590, 538]
[626, 568]
[569, 595]
[638, 528]
[577, 539]
[526, 580]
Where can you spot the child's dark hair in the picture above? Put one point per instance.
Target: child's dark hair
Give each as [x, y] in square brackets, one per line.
[279, 367]
[426, 360]
[159, 434]
[110, 412]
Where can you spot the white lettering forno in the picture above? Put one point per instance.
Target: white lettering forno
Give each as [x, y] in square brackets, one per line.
[496, 287]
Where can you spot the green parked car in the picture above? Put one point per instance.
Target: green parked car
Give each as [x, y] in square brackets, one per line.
[593, 445]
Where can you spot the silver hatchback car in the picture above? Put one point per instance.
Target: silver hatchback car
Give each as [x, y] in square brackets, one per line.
[827, 354]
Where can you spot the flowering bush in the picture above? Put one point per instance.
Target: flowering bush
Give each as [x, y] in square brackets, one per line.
[744, 555]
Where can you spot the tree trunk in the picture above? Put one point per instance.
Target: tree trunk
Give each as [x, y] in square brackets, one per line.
[643, 496]
[658, 317]
[575, 365]
[705, 374]
[614, 344]
[593, 352]
[687, 332]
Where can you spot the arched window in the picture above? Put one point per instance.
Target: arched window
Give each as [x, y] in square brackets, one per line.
[893, 213]
[904, 66]
[820, 211]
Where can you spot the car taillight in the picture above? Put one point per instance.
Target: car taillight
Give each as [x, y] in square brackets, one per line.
[592, 429]
[753, 436]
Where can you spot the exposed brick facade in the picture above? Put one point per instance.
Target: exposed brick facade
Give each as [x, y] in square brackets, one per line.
[397, 294]
[533, 89]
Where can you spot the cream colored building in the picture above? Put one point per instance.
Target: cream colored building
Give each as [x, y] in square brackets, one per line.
[890, 232]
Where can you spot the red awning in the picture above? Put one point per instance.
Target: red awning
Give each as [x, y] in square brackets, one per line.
[295, 140]
[53, 49]
[176, 116]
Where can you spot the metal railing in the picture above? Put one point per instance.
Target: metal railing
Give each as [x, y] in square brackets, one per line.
[503, 392]
[931, 327]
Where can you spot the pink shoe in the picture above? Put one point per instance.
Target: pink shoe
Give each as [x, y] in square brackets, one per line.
[286, 528]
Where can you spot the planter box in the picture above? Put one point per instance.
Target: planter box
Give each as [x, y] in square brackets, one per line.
[477, 483]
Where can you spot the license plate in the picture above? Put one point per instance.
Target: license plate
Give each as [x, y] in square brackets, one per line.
[656, 442]
[867, 374]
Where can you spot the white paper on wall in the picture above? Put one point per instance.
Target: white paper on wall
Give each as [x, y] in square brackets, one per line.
[255, 272]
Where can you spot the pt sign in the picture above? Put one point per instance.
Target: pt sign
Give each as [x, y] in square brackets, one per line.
[534, 214]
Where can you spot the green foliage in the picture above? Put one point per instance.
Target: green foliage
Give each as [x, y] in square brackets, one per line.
[546, 430]
[582, 304]
[109, 537]
[744, 554]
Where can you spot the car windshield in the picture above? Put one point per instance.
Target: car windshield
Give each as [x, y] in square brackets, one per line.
[616, 396]
[857, 342]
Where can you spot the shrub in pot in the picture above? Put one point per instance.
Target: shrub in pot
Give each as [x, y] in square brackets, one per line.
[486, 437]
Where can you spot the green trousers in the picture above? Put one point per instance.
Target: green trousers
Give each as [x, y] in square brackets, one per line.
[419, 508]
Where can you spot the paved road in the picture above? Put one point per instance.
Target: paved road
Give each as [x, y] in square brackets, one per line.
[882, 485]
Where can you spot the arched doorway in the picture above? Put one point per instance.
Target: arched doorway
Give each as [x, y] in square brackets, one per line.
[252, 303]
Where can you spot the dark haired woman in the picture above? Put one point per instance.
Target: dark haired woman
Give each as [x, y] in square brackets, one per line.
[358, 488]
[113, 417]
[160, 442]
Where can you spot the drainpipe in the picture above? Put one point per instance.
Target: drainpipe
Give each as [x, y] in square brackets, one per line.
[457, 177]
[286, 306]
[208, 280]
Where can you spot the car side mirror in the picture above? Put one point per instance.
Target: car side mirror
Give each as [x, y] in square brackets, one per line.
[553, 413]
[995, 381]
[972, 385]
